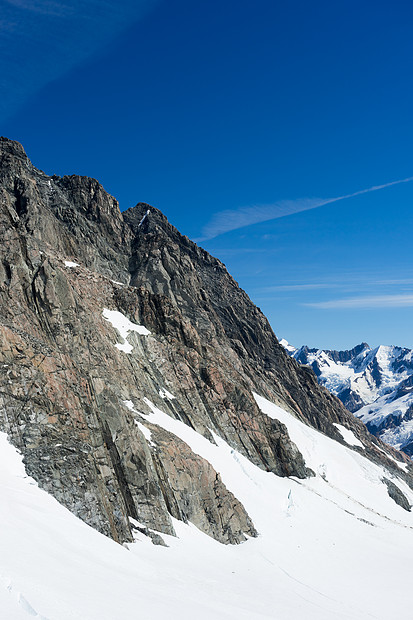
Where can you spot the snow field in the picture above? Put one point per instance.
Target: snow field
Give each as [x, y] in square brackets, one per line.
[331, 547]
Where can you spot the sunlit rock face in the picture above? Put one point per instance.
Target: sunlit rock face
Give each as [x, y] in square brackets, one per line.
[110, 321]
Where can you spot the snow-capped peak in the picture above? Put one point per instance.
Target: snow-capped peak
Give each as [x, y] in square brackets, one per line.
[289, 347]
[375, 384]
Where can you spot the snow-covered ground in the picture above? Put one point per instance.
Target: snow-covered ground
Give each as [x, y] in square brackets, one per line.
[331, 547]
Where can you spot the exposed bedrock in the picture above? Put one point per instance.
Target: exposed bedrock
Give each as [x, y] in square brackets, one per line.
[64, 383]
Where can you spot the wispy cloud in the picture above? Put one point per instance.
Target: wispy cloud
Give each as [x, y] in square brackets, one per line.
[41, 40]
[241, 251]
[396, 282]
[296, 287]
[377, 301]
[45, 7]
[232, 219]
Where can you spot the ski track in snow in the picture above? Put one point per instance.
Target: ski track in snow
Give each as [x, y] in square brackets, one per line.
[25, 609]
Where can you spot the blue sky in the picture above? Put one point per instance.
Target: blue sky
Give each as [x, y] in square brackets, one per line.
[254, 126]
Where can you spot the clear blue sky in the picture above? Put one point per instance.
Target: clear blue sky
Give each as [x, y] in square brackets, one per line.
[257, 109]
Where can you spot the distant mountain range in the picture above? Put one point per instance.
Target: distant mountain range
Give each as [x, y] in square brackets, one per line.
[374, 384]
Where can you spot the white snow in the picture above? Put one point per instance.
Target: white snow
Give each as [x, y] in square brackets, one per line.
[375, 376]
[400, 464]
[341, 466]
[165, 394]
[348, 436]
[397, 435]
[146, 432]
[331, 547]
[356, 373]
[124, 326]
[143, 219]
[376, 412]
[69, 263]
[289, 347]
[198, 444]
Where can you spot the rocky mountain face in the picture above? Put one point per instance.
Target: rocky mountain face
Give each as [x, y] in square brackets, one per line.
[109, 321]
[374, 384]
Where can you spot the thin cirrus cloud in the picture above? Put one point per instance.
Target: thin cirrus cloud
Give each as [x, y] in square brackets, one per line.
[398, 281]
[232, 219]
[46, 7]
[374, 301]
[41, 40]
[296, 287]
[348, 282]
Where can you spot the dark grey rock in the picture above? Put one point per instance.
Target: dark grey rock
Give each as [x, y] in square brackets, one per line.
[397, 495]
[63, 382]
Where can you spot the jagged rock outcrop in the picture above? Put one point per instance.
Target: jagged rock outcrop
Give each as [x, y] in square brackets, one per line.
[76, 399]
[397, 495]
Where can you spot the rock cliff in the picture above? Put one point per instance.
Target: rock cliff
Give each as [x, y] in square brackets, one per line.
[109, 319]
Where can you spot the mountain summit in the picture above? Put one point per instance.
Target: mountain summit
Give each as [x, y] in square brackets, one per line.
[149, 396]
[375, 384]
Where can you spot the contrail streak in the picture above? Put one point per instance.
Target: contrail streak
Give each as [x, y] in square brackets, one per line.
[375, 188]
[232, 219]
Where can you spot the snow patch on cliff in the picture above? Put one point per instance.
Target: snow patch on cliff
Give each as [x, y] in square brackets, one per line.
[69, 263]
[165, 394]
[348, 436]
[124, 326]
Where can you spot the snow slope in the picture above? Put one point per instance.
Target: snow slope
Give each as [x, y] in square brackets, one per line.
[375, 384]
[334, 546]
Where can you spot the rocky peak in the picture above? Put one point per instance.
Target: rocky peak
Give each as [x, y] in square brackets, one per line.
[111, 321]
[89, 196]
[10, 149]
[95, 205]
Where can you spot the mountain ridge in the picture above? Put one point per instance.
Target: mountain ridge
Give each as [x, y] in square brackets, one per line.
[376, 384]
[144, 400]
[69, 254]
